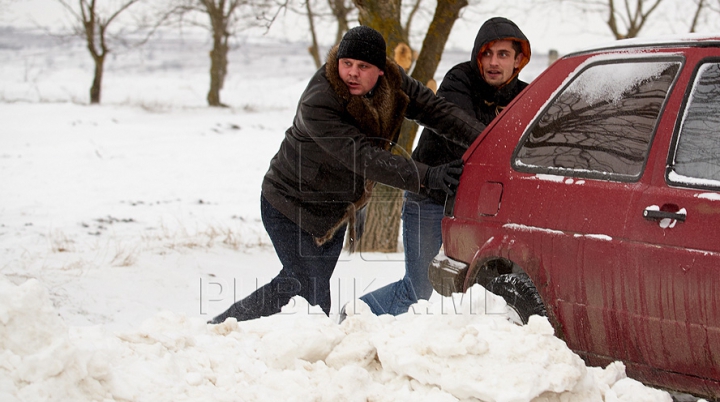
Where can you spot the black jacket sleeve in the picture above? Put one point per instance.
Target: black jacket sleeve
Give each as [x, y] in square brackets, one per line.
[442, 116]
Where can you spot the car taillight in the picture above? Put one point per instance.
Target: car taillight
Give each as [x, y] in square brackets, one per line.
[449, 205]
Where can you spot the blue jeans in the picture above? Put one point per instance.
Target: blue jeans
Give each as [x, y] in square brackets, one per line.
[422, 239]
[306, 269]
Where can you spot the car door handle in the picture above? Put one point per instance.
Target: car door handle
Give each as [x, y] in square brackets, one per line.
[653, 214]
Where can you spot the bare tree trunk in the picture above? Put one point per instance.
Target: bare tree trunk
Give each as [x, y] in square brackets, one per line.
[218, 54]
[446, 13]
[96, 87]
[340, 11]
[384, 16]
[314, 49]
[93, 34]
[383, 220]
[218, 69]
[612, 21]
[696, 17]
[413, 11]
[382, 228]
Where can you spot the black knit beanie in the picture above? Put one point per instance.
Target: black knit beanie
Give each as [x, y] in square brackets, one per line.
[363, 43]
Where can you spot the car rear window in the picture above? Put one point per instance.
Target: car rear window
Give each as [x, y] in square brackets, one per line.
[696, 161]
[601, 124]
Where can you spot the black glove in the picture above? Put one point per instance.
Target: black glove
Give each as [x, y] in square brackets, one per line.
[444, 177]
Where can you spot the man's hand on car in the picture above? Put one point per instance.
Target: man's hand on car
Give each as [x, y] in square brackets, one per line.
[444, 177]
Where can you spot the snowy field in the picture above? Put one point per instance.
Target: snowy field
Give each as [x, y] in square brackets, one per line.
[124, 227]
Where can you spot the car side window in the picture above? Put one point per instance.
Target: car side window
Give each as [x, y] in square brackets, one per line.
[601, 124]
[696, 160]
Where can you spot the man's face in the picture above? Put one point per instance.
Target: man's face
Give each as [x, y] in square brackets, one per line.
[359, 76]
[499, 62]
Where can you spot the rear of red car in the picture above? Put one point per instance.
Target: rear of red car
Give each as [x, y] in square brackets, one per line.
[596, 194]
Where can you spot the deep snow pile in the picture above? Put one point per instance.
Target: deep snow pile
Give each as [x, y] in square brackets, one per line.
[436, 354]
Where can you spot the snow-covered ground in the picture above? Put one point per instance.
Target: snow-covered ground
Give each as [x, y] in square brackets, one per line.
[125, 226]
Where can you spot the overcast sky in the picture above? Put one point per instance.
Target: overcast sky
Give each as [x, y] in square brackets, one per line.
[549, 24]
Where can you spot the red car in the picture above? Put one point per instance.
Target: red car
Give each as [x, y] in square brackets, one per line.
[594, 199]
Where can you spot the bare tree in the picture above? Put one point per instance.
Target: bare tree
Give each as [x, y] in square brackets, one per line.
[633, 18]
[93, 24]
[625, 18]
[226, 18]
[314, 47]
[341, 10]
[383, 215]
[704, 17]
[696, 15]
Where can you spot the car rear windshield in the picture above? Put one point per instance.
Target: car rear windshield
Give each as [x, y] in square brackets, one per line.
[601, 124]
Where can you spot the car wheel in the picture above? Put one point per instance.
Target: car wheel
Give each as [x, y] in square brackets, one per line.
[520, 294]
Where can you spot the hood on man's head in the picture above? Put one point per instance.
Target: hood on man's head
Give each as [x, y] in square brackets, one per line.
[363, 43]
[500, 28]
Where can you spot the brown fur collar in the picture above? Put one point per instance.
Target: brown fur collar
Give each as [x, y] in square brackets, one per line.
[379, 117]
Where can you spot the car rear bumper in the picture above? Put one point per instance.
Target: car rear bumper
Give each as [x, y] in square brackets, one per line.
[447, 275]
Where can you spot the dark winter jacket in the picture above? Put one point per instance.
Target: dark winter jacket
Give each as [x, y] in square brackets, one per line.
[338, 146]
[464, 86]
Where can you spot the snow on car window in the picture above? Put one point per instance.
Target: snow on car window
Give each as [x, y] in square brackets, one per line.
[609, 82]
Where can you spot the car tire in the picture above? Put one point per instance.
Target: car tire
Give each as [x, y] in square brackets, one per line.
[519, 293]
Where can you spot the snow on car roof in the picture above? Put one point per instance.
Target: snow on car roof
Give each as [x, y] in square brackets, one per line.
[656, 41]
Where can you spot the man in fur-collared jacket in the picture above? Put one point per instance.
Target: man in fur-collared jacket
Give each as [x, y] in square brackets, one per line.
[336, 149]
[482, 86]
